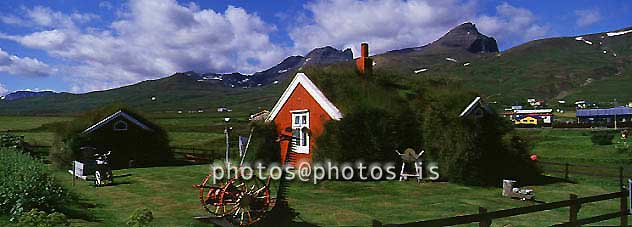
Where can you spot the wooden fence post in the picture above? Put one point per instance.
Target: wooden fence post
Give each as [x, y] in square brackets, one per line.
[485, 220]
[574, 209]
[624, 207]
[620, 176]
[566, 172]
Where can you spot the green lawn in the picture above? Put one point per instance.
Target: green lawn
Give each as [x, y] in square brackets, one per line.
[20, 123]
[168, 193]
[573, 146]
[195, 139]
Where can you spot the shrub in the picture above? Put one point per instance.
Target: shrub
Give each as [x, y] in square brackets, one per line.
[384, 112]
[368, 134]
[140, 217]
[11, 141]
[264, 144]
[602, 137]
[42, 219]
[472, 151]
[25, 185]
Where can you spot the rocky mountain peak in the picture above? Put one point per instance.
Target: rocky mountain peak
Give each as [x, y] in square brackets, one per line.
[328, 55]
[466, 36]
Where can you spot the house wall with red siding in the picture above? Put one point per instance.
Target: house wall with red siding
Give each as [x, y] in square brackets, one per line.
[300, 99]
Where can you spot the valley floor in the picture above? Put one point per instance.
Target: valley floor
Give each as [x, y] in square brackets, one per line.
[168, 191]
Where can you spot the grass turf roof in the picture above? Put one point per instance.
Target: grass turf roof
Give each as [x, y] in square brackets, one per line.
[385, 89]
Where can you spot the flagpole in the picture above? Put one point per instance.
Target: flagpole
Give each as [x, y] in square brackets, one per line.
[252, 129]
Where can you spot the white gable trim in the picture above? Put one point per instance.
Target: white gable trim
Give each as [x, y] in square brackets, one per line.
[311, 88]
[111, 118]
[470, 107]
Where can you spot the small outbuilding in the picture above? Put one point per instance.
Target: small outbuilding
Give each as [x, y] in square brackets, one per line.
[133, 140]
[619, 114]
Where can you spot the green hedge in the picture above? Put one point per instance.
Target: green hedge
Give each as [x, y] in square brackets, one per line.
[25, 184]
[384, 112]
[264, 144]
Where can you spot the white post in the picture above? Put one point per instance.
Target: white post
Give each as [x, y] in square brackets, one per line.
[246, 148]
[227, 145]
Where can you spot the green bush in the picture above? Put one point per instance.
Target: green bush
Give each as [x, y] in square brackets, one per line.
[42, 219]
[140, 217]
[264, 145]
[472, 151]
[11, 141]
[602, 137]
[384, 112]
[25, 185]
[368, 134]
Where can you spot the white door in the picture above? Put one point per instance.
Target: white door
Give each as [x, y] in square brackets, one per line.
[300, 130]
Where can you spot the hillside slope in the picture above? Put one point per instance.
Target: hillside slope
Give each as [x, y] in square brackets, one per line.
[596, 67]
[188, 91]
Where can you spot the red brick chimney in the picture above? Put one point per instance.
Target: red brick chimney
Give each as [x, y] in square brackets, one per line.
[364, 63]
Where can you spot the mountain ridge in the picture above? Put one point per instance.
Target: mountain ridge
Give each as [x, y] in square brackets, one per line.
[552, 68]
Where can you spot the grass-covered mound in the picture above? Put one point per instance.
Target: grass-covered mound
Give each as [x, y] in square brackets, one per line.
[144, 147]
[384, 112]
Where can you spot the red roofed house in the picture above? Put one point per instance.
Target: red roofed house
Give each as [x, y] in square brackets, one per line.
[305, 109]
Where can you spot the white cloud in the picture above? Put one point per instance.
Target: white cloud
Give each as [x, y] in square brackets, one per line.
[587, 17]
[153, 39]
[44, 17]
[394, 24]
[106, 5]
[512, 25]
[385, 24]
[3, 90]
[23, 66]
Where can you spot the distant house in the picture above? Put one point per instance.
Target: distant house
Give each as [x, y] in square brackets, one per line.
[583, 104]
[535, 103]
[526, 121]
[223, 109]
[304, 109]
[529, 118]
[476, 109]
[132, 140]
[608, 116]
[259, 116]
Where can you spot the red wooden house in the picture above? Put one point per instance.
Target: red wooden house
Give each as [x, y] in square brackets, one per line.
[304, 108]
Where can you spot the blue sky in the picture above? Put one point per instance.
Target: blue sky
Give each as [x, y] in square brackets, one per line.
[82, 46]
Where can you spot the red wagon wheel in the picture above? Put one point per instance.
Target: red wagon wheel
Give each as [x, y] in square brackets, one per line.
[250, 204]
[243, 202]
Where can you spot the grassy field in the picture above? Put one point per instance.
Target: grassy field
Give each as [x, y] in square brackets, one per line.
[185, 130]
[573, 146]
[21, 123]
[168, 193]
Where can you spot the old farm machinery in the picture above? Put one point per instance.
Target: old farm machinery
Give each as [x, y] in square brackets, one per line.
[246, 200]
[240, 201]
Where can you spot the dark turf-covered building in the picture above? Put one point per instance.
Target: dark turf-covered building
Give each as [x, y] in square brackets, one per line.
[133, 140]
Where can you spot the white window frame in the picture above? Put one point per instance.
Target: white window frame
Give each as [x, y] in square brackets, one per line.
[303, 122]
